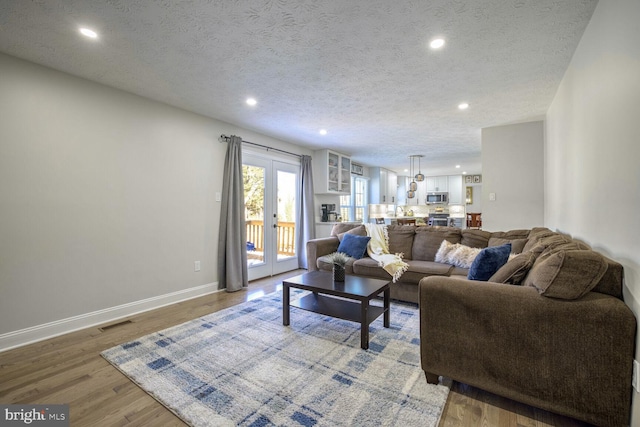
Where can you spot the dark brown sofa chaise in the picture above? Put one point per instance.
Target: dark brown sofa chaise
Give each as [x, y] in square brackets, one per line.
[563, 340]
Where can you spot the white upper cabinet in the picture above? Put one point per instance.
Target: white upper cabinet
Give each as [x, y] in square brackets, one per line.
[437, 184]
[383, 186]
[455, 190]
[331, 172]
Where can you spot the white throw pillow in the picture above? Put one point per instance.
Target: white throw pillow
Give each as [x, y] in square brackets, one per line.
[456, 254]
[444, 252]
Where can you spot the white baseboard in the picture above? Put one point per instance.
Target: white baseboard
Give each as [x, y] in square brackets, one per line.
[64, 326]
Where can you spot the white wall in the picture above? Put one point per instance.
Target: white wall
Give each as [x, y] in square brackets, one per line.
[592, 145]
[512, 168]
[476, 206]
[106, 198]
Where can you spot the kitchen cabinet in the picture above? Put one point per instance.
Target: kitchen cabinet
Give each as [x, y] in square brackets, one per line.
[437, 184]
[383, 186]
[331, 172]
[455, 190]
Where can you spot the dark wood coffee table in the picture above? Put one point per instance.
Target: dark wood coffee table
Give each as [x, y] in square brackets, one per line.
[323, 299]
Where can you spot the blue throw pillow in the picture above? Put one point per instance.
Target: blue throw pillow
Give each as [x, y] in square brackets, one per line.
[488, 261]
[354, 245]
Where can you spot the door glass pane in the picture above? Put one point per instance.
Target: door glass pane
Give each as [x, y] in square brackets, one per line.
[254, 178]
[286, 211]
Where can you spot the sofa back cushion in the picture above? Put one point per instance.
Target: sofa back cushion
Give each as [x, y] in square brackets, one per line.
[535, 235]
[339, 229]
[427, 241]
[566, 274]
[516, 244]
[475, 238]
[401, 240]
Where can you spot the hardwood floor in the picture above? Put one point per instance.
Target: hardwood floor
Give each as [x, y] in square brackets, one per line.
[69, 369]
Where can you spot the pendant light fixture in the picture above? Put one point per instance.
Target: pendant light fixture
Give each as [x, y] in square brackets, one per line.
[412, 185]
[419, 176]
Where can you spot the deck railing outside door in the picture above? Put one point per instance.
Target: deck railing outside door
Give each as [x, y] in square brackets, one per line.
[286, 236]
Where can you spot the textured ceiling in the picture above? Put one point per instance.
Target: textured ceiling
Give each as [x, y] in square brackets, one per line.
[361, 69]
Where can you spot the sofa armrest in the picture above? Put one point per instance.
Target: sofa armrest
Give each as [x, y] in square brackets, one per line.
[320, 247]
[573, 357]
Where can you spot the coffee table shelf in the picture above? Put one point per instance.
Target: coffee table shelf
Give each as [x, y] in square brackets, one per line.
[334, 307]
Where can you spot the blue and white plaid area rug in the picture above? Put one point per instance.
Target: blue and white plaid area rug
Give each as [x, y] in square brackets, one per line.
[241, 366]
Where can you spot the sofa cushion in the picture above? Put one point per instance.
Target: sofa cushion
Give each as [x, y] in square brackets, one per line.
[515, 270]
[566, 274]
[535, 235]
[475, 238]
[369, 267]
[516, 244]
[488, 261]
[459, 271]
[419, 269]
[511, 234]
[343, 229]
[428, 239]
[401, 239]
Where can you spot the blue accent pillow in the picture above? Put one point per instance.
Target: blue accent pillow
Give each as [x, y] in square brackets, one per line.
[488, 261]
[353, 245]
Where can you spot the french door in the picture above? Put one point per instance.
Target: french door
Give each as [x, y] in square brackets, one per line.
[271, 203]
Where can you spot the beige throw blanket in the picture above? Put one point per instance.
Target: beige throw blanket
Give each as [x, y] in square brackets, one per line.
[378, 249]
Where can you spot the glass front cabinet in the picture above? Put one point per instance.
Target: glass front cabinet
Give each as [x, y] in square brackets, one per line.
[331, 172]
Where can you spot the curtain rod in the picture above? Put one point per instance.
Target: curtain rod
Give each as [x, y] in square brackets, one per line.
[225, 138]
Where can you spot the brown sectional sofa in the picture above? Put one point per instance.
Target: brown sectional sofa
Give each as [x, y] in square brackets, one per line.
[563, 341]
[419, 246]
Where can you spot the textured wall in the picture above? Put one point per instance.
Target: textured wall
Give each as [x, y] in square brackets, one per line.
[592, 150]
[107, 198]
[513, 168]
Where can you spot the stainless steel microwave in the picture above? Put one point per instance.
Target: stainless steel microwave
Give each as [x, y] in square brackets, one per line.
[437, 198]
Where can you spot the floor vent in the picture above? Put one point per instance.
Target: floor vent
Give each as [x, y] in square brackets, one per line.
[114, 325]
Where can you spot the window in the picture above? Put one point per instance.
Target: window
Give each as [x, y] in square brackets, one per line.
[353, 207]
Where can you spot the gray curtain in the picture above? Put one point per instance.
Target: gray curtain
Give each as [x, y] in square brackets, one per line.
[232, 240]
[306, 214]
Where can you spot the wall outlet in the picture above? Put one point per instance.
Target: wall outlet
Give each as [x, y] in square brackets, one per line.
[492, 197]
[635, 379]
[196, 266]
[218, 196]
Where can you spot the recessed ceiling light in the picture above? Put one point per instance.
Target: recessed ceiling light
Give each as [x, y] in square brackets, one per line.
[89, 33]
[436, 43]
[251, 101]
[323, 131]
[464, 172]
[463, 106]
[457, 166]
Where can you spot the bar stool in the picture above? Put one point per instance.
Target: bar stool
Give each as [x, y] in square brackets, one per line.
[406, 221]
